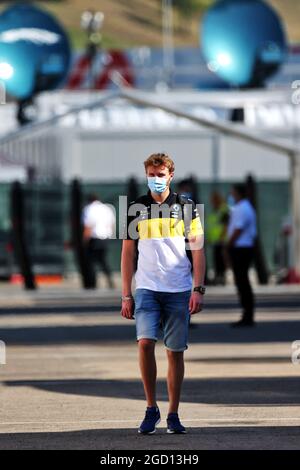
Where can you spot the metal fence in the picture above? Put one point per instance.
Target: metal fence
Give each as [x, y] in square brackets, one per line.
[49, 230]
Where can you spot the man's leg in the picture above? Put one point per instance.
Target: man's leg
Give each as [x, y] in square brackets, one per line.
[91, 273]
[246, 289]
[148, 372]
[148, 369]
[219, 264]
[175, 322]
[101, 256]
[175, 378]
[241, 260]
[147, 316]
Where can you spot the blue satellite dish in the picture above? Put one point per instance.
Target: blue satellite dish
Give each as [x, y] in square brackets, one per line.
[34, 51]
[243, 41]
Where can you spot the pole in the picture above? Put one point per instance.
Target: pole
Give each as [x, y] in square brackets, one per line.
[86, 271]
[259, 259]
[21, 245]
[215, 166]
[168, 43]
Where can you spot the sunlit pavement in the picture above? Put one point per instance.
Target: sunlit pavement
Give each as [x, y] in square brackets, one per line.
[72, 381]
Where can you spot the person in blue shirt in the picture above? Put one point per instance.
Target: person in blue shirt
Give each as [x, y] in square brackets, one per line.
[241, 234]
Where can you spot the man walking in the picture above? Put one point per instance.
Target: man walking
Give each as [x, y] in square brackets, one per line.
[162, 220]
[242, 233]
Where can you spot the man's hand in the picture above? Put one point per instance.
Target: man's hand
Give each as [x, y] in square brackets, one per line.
[196, 303]
[127, 309]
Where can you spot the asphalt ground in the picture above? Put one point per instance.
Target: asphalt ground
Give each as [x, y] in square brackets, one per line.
[71, 378]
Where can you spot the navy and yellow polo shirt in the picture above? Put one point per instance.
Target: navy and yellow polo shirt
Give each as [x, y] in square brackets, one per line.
[161, 231]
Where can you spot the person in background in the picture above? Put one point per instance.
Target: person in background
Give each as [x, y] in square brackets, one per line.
[99, 226]
[188, 188]
[217, 222]
[242, 232]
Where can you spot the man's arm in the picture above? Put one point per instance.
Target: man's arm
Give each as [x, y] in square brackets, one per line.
[198, 258]
[241, 221]
[87, 233]
[87, 225]
[196, 244]
[127, 269]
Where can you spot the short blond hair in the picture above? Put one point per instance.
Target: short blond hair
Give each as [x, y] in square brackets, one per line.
[158, 159]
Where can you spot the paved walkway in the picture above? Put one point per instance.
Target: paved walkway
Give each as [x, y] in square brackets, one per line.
[71, 380]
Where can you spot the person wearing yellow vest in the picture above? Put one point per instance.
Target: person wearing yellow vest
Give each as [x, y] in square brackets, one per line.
[216, 235]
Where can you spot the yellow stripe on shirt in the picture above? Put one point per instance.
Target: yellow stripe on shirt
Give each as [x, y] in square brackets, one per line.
[160, 228]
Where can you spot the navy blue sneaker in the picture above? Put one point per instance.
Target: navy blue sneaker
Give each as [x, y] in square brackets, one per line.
[151, 420]
[174, 425]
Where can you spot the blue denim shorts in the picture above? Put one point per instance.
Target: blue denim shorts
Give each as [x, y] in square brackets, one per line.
[168, 310]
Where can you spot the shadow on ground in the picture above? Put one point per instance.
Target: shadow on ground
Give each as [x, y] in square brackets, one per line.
[276, 331]
[287, 302]
[209, 438]
[266, 391]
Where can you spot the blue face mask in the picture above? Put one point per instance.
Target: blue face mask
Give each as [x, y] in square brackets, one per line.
[156, 184]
